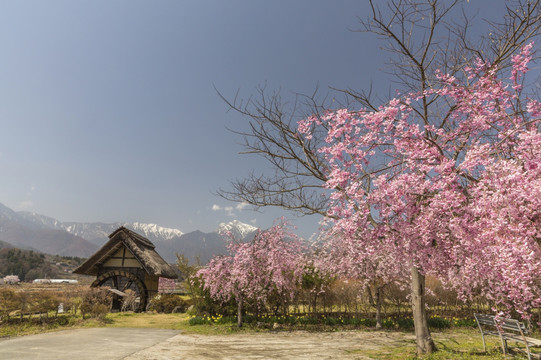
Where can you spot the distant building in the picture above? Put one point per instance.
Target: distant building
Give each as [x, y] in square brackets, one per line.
[166, 286]
[55, 281]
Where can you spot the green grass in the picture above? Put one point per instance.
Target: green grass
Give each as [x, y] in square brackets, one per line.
[147, 320]
[35, 326]
[170, 321]
[121, 320]
[461, 344]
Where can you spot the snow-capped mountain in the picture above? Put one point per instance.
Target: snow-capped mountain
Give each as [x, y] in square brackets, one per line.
[91, 236]
[40, 221]
[98, 233]
[236, 228]
[155, 231]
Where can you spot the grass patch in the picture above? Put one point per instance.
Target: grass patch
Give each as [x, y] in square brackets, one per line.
[36, 326]
[169, 321]
[324, 322]
[147, 320]
[120, 320]
[461, 344]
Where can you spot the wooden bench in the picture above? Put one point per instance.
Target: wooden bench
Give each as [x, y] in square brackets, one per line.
[506, 329]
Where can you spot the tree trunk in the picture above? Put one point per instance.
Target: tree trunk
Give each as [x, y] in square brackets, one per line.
[378, 308]
[239, 311]
[425, 344]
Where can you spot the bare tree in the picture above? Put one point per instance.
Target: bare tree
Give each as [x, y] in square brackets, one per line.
[421, 38]
[299, 170]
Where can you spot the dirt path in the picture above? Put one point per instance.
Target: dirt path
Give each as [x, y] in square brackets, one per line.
[281, 345]
[82, 344]
[156, 344]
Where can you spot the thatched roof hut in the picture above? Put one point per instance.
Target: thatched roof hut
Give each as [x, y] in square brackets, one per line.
[128, 261]
[140, 247]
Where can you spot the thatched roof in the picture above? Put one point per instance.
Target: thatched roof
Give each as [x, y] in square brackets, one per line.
[140, 247]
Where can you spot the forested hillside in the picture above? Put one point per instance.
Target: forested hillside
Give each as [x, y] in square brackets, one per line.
[30, 265]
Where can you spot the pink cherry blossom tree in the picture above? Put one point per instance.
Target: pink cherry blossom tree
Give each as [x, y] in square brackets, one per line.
[454, 195]
[374, 269]
[11, 279]
[272, 263]
[420, 37]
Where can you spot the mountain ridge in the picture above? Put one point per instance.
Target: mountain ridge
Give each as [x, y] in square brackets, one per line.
[30, 230]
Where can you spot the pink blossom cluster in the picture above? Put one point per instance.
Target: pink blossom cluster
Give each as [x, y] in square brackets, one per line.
[348, 258]
[456, 195]
[11, 279]
[520, 65]
[270, 264]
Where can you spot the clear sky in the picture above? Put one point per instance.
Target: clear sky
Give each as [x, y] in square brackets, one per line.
[108, 110]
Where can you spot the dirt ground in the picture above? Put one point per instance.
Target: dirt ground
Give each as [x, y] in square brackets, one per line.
[279, 345]
[160, 344]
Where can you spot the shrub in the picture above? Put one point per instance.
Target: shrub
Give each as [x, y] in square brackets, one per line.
[459, 322]
[307, 320]
[216, 319]
[204, 304]
[404, 323]
[96, 302]
[437, 322]
[8, 302]
[45, 301]
[166, 303]
[99, 311]
[199, 320]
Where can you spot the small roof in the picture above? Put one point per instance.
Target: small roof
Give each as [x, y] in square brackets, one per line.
[141, 248]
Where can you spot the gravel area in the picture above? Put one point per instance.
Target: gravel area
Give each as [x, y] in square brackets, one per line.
[280, 345]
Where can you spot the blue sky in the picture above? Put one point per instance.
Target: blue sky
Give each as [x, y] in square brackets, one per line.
[108, 110]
